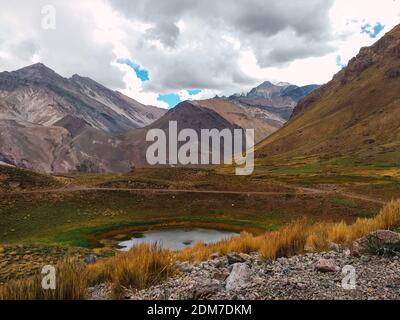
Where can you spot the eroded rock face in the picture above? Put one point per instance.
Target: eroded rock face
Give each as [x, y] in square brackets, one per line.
[380, 238]
[240, 275]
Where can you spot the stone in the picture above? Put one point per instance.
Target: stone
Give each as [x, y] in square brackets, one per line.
[375, 240]
[220, 276]
[326, 265]
[90, 259]
[334, 247]
[239, 276]
[235, 258]
[185, 267]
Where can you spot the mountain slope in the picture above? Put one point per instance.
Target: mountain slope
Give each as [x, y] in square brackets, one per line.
[196, 115]
[38, 95]
[356, 114]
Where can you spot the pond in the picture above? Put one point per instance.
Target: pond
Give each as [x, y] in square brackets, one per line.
[177, 239]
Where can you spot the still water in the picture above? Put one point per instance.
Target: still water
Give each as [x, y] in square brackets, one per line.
[178, 239]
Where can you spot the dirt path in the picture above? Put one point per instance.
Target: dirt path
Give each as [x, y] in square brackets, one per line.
[297, 191]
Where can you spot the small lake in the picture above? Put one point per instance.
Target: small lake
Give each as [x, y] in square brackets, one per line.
[177, 239]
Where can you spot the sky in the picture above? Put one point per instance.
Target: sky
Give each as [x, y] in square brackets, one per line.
[164, 52]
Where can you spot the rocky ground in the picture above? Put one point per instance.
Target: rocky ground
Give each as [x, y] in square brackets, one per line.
[309, 276]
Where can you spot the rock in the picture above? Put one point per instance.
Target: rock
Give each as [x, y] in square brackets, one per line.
[220, 276]
[90, 259]
[185, 267]
[239, 276]
[365, 259]
[334, 247]
[374, 241]
[206, 291]
[235, 258]
[326, 265]
[2, 250]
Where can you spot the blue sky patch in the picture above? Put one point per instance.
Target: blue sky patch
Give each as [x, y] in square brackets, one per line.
[141, 73]
[339, 62]
[372, 31]
[193, 92]
[172, 99]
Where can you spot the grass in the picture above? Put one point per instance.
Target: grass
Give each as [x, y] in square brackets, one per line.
[75, 218]
[294, 238]
[71, 284]
[146, 265]
[143, 266]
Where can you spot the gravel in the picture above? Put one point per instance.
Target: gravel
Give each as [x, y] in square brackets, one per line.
[294, 278]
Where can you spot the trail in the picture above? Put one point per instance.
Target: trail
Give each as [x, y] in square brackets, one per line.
[298, 191]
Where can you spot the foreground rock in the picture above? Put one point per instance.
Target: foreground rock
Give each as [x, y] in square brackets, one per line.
[283, 279]
[376, 242]
[239, 276]
[326, 265]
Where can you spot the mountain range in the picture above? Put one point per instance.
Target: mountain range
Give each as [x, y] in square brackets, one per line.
[272, 102]
[54, 124]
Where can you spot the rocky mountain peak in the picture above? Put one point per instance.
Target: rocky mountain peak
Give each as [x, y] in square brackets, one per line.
[37, 71]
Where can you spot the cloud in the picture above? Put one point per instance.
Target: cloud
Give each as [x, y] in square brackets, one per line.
[199, 43]
[70, 48]
[170, 47]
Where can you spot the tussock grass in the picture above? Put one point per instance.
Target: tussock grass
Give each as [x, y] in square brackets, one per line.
[142, 266]
[388, 218]
[71, 284]
[299, 236]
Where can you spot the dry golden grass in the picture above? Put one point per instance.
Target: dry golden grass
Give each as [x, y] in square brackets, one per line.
[145, 265]
[142, 266]
[294, 238]
[71, 284]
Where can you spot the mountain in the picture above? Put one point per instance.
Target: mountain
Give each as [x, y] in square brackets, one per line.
[356, 115]
[273, 103]
[38, 95]
[53, 124]
[205, 114]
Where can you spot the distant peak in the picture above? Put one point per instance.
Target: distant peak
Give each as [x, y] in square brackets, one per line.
[266, 84]
[36, 66]
[37, 70]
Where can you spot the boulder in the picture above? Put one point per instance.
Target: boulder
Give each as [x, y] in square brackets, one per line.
[239, 276]
[90, 259]
[326, 265]
[237, 258]
[374, 241]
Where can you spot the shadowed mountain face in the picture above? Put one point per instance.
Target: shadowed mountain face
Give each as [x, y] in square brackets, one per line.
[357, 113]
[272, 103]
